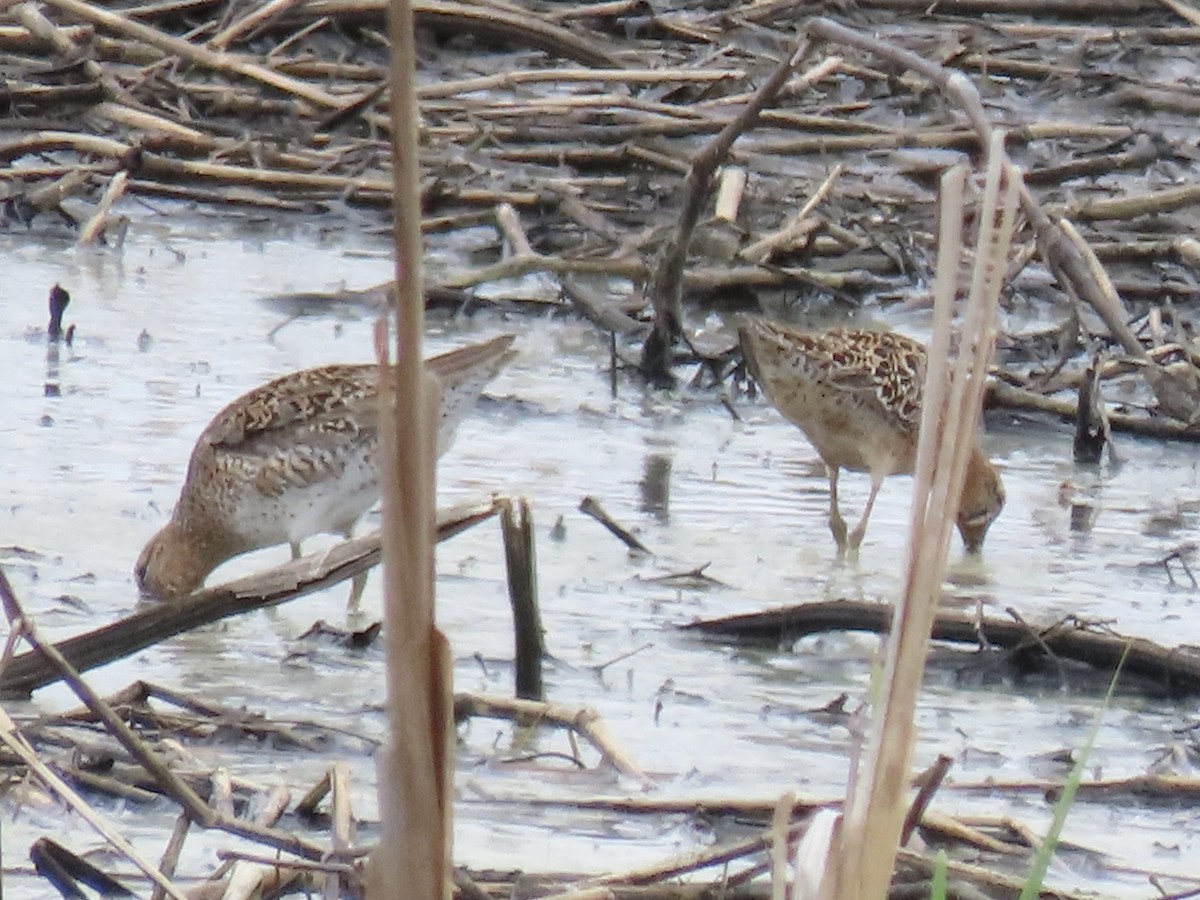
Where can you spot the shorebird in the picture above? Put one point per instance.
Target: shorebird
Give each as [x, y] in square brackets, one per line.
[856, 395]
[293, 458]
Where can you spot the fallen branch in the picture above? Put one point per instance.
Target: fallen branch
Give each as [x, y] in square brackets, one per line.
[1174, 670]
[583, 721]
[27, 672]
[1001, 395]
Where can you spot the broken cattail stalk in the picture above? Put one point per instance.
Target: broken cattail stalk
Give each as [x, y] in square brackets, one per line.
[306, 806]
[249, 22]
[796, 229]
[10, 736]
[780, 832]
[579, 720]
[170, 858]
[875, 810]
[731, 187]
[203, 57]
[99, 220]
[521, 562]
[341, 821]
[413, 857]
[929, 781]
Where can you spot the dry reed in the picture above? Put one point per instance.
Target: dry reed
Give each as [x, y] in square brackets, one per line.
[413, 857]
[863, 859]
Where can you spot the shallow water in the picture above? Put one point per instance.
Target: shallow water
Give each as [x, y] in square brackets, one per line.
[88, 475]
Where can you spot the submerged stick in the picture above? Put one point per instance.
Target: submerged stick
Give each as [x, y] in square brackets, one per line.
[591, 506]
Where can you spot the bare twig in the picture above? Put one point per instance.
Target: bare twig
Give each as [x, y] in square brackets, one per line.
[666, 284]
[12, 739]
[584, 721]
[591, 506]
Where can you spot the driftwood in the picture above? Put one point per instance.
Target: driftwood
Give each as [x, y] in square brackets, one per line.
[1001, 395]
[29, 671]
[585, 722]
[1174, 671]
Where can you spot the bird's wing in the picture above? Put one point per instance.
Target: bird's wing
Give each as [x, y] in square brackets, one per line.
[301, 401]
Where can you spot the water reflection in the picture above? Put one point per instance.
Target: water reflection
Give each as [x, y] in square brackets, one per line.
[655, 487]
[56, 338]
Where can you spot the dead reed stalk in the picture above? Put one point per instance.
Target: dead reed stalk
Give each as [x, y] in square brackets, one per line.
[413, 857]
[875, 807]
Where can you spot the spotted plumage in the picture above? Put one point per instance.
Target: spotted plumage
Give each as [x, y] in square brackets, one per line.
[856, 395]
[293, 458]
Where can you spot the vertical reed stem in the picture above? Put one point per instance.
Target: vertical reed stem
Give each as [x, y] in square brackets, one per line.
[413, 858]
[875, 808]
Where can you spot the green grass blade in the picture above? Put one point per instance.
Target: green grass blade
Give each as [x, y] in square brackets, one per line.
[1041, 860]
[937, 884]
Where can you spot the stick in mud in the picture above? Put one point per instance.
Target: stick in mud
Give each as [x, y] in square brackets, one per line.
[591, 506]
[665, 289]
[520, 557]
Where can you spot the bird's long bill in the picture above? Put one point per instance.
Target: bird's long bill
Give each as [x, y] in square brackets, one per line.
[463, 373]
[486, 356]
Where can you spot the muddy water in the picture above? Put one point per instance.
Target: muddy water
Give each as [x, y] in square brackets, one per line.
[169, 329]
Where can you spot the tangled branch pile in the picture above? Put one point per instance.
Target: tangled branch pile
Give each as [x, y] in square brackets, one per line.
[569, 128]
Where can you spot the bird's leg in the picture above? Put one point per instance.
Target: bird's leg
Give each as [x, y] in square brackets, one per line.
[295, 545]
[856, 535]
[357, 585]
[836, 523]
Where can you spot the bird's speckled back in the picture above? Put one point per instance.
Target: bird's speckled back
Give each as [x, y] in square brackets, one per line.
[875, 369]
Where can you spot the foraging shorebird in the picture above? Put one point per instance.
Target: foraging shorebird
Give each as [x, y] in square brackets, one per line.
[856, 395]
[293, 458]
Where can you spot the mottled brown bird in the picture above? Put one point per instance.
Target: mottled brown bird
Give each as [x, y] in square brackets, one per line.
[293, 458]
[856, 395]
